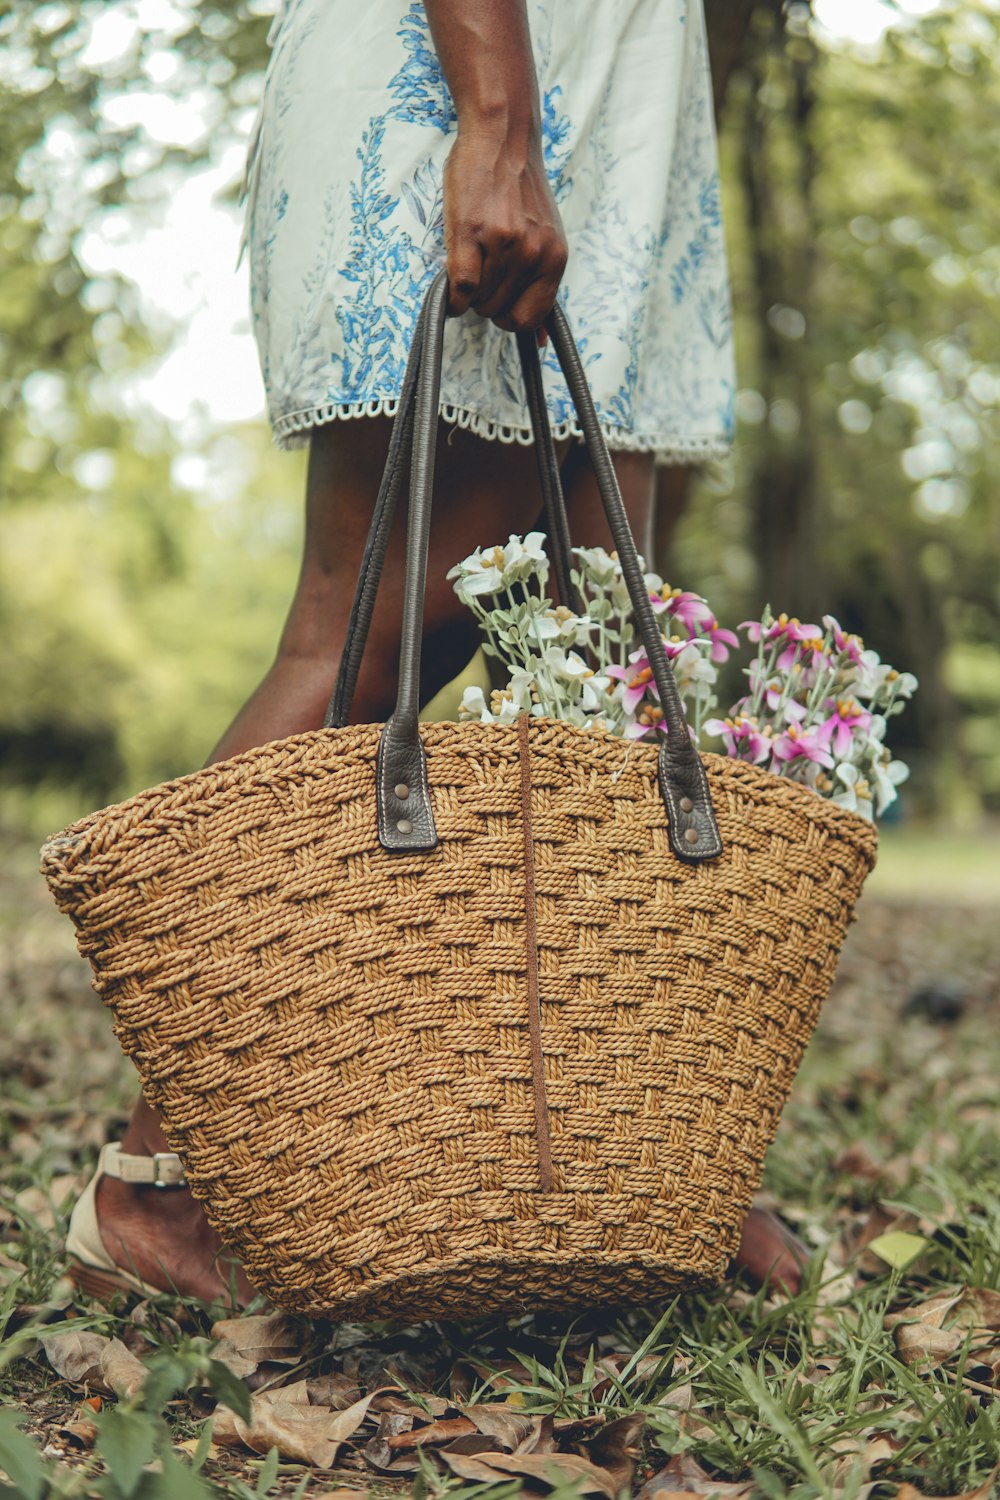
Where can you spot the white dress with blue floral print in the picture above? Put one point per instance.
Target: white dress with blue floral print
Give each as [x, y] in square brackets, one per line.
[344, 222]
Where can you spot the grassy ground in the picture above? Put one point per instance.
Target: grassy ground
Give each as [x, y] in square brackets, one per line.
[882, 1375]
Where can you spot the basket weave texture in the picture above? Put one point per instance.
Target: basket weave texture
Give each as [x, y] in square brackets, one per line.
[337, 1037]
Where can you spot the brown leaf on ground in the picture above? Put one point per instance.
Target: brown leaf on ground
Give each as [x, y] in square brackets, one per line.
[377, 1451]
[932, 1313]
[616, 1448]
[880, 1219]
[76, 1356]
[430, 1434]
[390, 1399]
[858, 1160]
[309, 1434]
[923, 1344]
[984, 1491]
[510, 1430]
[540, 1471]
[81, 1429]
[684, 1476]
[121, 1372]
[246, 1343]
[978, 1307]
[336, 1391]
[40, 1204]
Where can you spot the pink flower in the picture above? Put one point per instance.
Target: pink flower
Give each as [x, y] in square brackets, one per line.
[637, 679]
[840, 727]
[742, 737]
[798, 638]
[721, 641]
[690, 609]
[850, 646]
[806, 744]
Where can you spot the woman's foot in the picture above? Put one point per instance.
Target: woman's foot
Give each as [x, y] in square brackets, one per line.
[162, 1236]
[768, 1252]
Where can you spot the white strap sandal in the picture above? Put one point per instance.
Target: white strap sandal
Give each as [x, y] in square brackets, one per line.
[90, 1265]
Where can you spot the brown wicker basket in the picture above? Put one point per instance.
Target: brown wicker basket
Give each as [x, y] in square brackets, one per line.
[535, 1062]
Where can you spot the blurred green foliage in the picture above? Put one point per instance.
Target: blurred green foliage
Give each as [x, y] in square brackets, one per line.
[864, 220]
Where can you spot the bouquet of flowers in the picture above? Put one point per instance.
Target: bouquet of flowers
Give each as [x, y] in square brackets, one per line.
[817, 701]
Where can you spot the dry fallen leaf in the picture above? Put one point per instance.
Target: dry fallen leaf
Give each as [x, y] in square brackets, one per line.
[76, 1356]
[616, 1448]
[81, 1429]
[684, 1476]
[978, 1307]
[923, 1344]
[441, 1431]
[512, 1430]
[542, 1471]
[121, 1372]
[310, 1434]
[933, 1312]
[243, 1344]
[984, 1491]
[336, 1391]
[191, 1445]
[377, 1451]
[40, 1204]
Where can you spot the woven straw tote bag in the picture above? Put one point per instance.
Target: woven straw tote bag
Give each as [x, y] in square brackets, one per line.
[451, 1019]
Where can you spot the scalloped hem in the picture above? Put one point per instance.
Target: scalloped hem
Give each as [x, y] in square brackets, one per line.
[293, 429]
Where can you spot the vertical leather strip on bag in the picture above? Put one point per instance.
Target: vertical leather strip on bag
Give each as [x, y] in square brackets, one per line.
[542, 1132]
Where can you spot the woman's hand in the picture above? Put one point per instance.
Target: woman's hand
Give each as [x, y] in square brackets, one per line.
[505, 243]
[504, 238]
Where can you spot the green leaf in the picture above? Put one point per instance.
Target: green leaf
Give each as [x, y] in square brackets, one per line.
[268, 1472]
[204, 1444]
[226, 1387]
[898, 1249]
[179, 1481]
[167, 1373]
[19, 1458]
[126, 1441]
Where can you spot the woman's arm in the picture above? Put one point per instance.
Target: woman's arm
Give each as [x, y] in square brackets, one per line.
[505, 242]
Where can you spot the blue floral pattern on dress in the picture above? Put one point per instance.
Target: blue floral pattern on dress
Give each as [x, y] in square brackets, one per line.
[344, 221]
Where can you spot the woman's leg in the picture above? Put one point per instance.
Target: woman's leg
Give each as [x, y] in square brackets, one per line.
[483, 491]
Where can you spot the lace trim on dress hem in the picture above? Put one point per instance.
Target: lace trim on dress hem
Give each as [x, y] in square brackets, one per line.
[292, 430]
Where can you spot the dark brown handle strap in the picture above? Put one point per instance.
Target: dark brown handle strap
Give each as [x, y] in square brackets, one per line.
[377, 542]
[694, 833]
[404, 810]
[405, 820]
[376, 545]
[560, 546]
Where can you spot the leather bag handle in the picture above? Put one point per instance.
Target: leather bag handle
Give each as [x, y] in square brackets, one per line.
[373, 561]
[405, 819]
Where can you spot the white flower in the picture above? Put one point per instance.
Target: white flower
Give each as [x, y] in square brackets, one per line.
[887, 775]
[855, 793]
[474, 706]
[692, 666]
[567, 665]
[522, 558]
[594, 693]
[597, 566]
[479, 573]
[869, 676]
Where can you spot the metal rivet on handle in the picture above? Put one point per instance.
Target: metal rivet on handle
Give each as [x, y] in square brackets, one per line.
[687, 805]
[402, 791]
[404, 826]
[691, 835]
